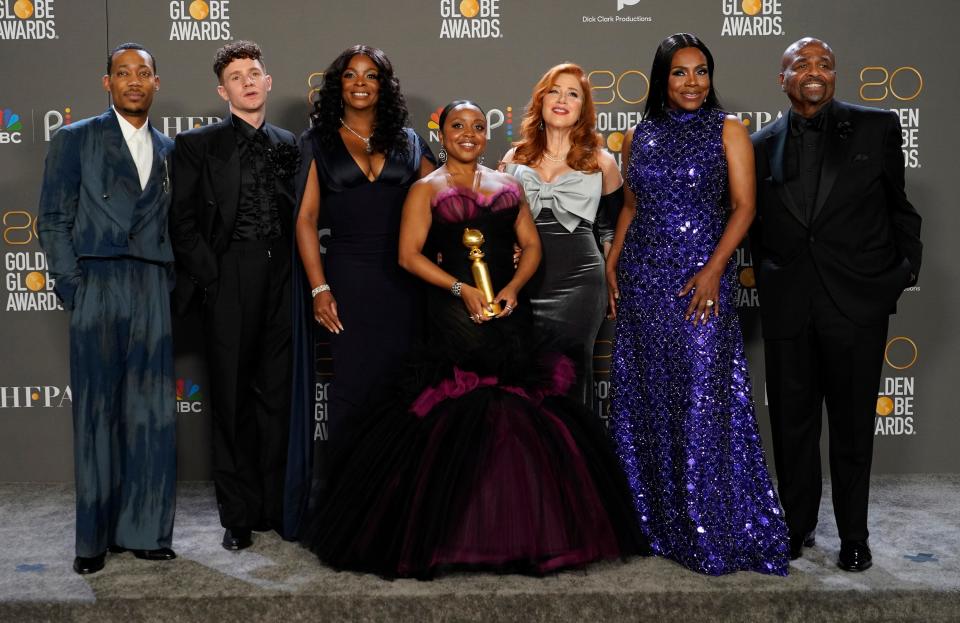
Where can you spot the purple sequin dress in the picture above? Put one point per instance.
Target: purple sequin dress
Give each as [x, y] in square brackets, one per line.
[681, 413]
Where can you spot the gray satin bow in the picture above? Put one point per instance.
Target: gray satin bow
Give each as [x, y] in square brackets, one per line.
[575, 195]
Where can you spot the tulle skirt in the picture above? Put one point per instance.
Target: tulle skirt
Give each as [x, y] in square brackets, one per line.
[477, 462]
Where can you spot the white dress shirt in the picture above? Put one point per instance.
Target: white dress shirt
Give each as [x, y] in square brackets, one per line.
[140, 144]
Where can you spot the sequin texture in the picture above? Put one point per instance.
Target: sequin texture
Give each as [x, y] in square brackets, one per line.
[682, 413]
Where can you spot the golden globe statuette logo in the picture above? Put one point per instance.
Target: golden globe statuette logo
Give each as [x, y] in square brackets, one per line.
[199, 9]
[23, 9]
[469, 8]
[35, 281]
[751, 7]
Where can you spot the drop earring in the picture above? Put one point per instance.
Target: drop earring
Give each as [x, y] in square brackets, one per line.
[442, 155]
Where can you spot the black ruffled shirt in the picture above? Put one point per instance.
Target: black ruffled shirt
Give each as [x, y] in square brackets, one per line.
[258, 217]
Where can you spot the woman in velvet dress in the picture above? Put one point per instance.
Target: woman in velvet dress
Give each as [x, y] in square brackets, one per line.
[359, 162]
[681, 410]
[573, 186]
[478, 460]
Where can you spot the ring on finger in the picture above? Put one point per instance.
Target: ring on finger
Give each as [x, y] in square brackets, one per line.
[710, 302]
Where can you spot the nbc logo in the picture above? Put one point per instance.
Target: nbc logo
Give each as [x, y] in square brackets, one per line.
[470, 19]
[495, 118]
[10, 127]
[189, 399]
[200, 20]
[752, 18]
[26, 19]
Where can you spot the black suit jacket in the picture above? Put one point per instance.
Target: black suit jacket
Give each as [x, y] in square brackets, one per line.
[206, 193]
[863, 241]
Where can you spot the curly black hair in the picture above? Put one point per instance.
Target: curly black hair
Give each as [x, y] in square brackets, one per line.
[392, 115]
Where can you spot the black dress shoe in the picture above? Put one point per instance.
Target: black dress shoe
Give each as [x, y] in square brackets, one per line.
[83, 565]
[162, 553]
[235, 539]
[116, 549]
[855, 556]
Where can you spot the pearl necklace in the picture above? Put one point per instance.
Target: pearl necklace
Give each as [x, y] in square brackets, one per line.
[366, 141]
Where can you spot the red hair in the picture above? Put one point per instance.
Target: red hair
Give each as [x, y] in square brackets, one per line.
[584, 140]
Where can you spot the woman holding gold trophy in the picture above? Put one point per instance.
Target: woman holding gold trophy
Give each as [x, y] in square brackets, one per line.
[478, 460]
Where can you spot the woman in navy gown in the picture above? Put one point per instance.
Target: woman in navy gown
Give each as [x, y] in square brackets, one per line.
[573, 186]
[477, 460]
[359, 161]
[682, 412]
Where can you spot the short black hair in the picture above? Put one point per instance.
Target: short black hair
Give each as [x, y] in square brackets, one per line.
[234, 50]
[129, 46]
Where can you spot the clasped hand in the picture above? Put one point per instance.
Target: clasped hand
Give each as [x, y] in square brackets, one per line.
[479, 309]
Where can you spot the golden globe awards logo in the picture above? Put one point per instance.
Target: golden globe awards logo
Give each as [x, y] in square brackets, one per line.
[752, 18]
[898, 87]
[28, 285]
[746, 280]
[27, 19]
[199, 20]
[470, 19]
[895, 401]
[618, 88]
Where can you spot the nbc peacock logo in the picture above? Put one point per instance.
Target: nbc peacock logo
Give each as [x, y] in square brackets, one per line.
[27, 20]
[200, 20]
[10, 127]
[189, 399]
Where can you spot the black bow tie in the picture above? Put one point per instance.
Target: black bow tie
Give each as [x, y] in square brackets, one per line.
[799, 125]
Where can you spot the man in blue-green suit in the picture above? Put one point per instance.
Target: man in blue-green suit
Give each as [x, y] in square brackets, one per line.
[103, 225]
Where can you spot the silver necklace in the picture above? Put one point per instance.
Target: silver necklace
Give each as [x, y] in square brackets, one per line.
[366, 141]
[547, 155]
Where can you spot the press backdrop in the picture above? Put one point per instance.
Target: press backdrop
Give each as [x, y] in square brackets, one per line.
[890, 54]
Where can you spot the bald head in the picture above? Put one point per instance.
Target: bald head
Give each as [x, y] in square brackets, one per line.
[808, 75]
[795, 48]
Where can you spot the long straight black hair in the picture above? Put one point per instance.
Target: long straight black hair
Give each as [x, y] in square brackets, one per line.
[660, 73]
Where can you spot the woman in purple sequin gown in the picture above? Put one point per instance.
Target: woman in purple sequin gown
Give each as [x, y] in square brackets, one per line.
[681, 413]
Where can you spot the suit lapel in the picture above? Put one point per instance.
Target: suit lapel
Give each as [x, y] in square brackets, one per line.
[225, 169]
[834, 155]
[776, 146]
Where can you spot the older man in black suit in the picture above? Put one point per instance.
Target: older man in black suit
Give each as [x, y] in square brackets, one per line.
[835, 242]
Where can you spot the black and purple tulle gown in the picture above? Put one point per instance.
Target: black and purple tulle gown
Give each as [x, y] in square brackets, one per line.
[477, 460]
[681, 408]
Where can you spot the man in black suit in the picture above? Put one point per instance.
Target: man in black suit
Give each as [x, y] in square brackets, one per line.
[231, 224]
[835, 242]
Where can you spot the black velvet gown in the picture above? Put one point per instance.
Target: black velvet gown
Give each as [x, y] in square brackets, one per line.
[476, 458]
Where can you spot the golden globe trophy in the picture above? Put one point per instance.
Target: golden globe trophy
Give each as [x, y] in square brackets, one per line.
[473, 239]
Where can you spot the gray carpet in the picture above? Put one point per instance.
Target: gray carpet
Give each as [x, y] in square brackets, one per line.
[915, 577]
